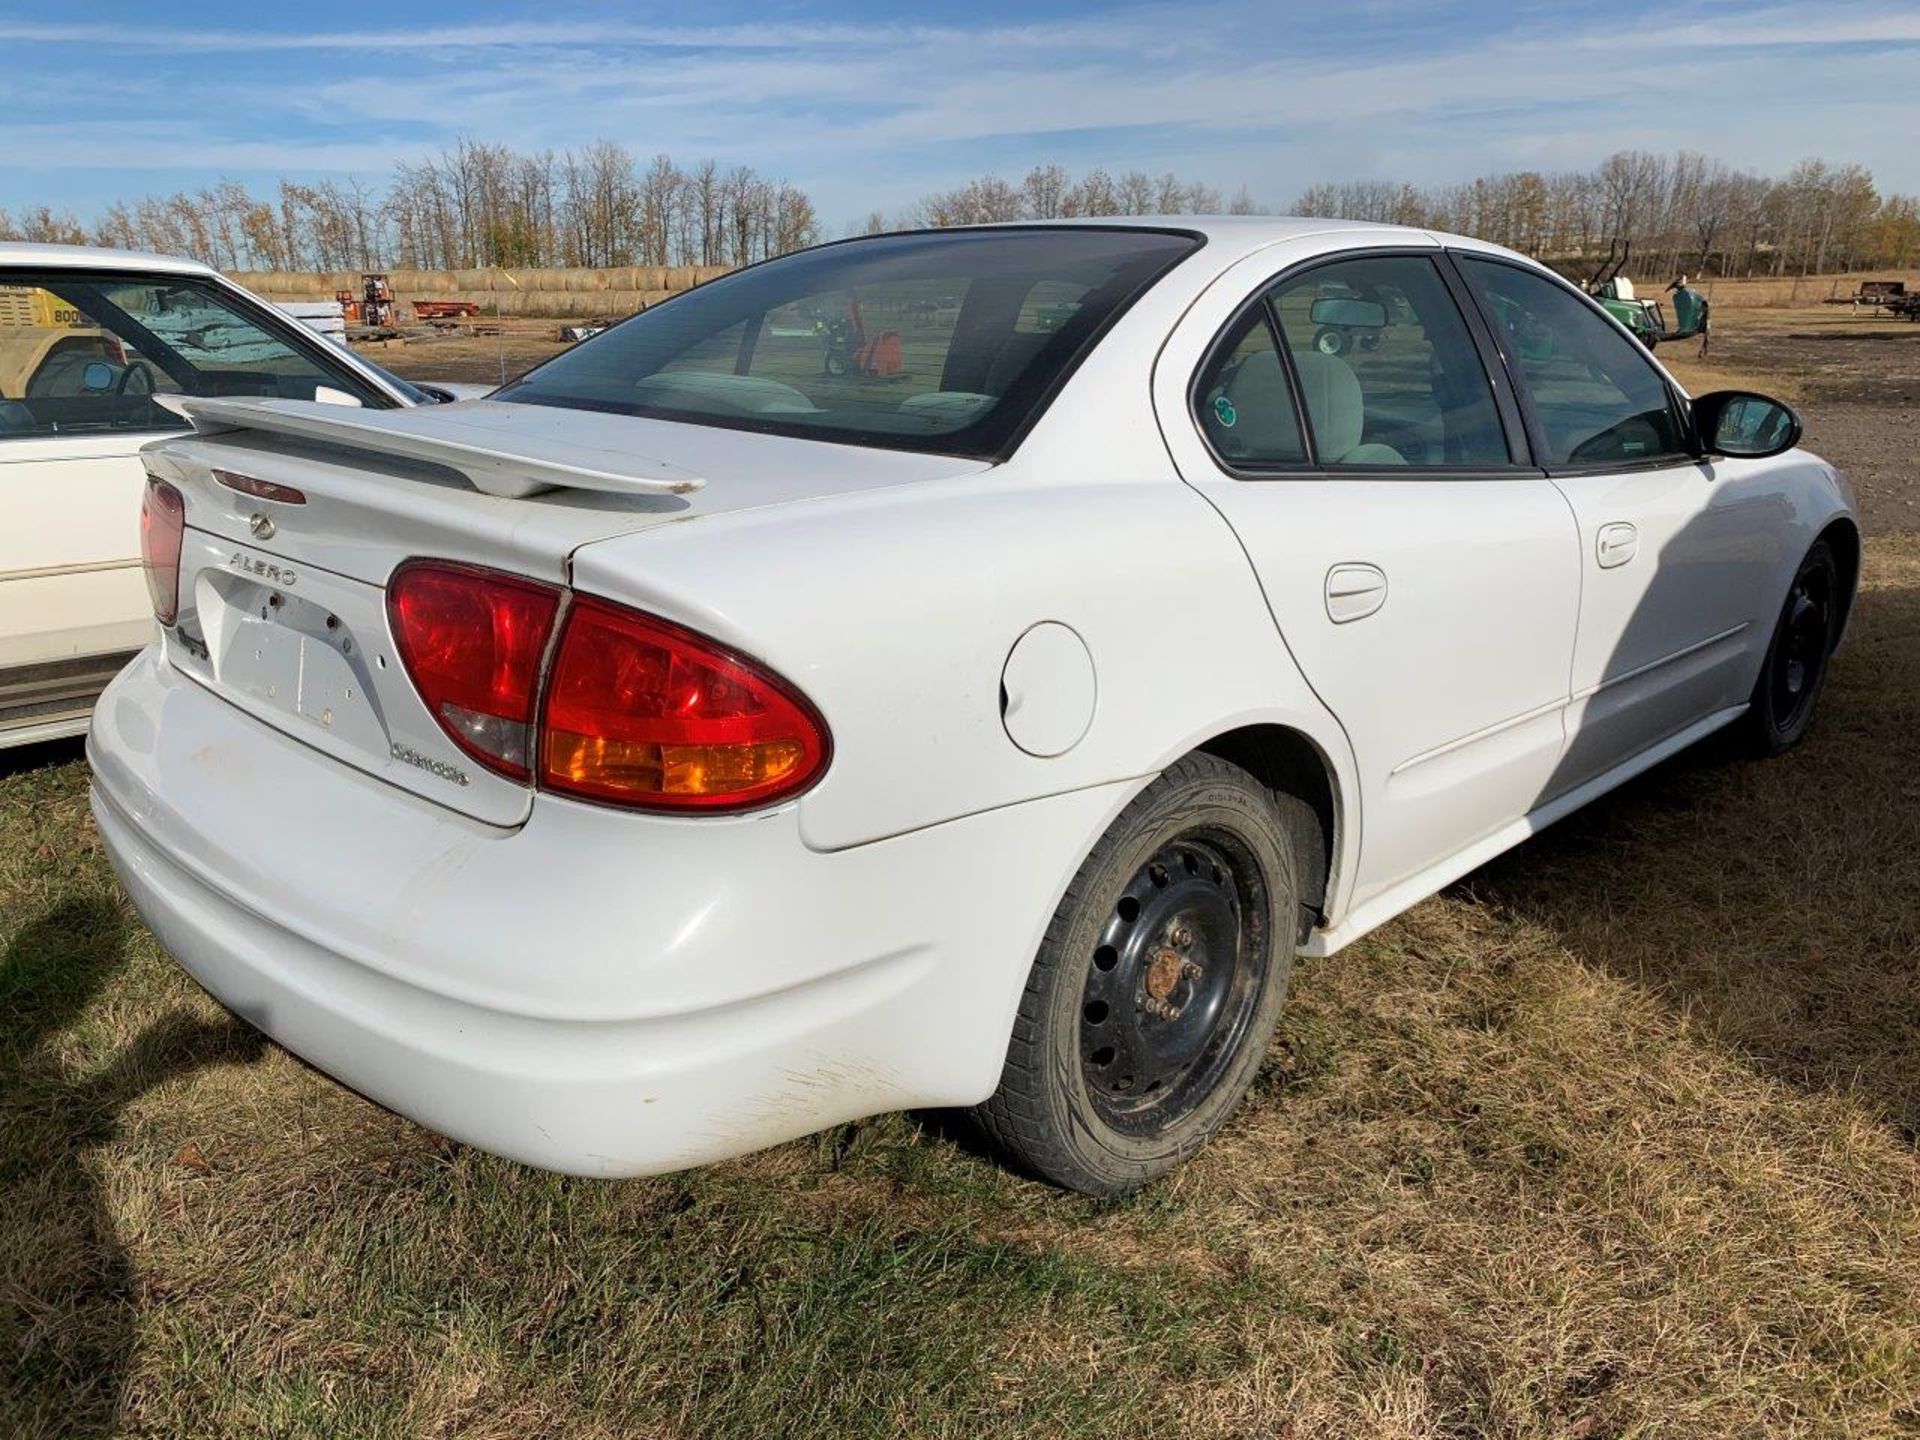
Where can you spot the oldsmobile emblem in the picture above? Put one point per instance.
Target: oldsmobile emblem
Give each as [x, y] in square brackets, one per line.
[407, 755]
[261, 526]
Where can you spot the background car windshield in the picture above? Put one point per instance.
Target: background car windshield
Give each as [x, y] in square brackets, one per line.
[942, 342]
[90, 351]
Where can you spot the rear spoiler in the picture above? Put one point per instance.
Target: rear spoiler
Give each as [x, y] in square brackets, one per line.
[431, 434]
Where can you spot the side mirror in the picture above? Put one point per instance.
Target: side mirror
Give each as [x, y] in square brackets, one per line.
[99, 375]
[1348, 313]
[1743, 425]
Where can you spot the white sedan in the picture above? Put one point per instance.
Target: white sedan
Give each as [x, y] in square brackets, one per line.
[93, 344]
[948, 669]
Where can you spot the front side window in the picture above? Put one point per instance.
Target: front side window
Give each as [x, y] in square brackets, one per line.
[1388, 371]
[84, 352]
[947, 342]
[1597, 398]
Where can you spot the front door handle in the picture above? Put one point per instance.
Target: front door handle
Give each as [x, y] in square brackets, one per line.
[1354, 592]
[1618, 543]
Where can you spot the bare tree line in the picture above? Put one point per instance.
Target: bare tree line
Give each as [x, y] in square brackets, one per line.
[1047, 192]
[473, 205]
[478, 204]
[1682, 212]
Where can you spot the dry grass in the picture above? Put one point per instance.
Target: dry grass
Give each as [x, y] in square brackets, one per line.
[1792, 291]
[1614, 1139]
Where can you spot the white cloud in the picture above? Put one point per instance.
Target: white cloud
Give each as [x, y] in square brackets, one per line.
[1230, 90]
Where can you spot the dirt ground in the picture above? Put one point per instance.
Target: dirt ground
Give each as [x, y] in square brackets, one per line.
[1855, 379]
[479, 359]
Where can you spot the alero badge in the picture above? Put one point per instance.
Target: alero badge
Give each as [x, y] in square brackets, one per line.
[262, 569]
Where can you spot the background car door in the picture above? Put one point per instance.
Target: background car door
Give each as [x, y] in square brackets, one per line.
[83, 356]
[1674, 553]
[1424, 579]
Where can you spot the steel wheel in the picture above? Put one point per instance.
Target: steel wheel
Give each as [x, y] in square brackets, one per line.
[1173, 982]
[1148, 1007]
[1780, 710]
[1799, 658]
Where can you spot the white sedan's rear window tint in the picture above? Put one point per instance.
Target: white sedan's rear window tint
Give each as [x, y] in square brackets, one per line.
[943, 341]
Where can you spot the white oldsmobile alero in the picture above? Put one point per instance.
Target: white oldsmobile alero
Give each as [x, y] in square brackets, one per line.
[947, 669]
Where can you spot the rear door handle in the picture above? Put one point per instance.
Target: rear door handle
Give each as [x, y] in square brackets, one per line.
[1618, 543]
[1354, 592]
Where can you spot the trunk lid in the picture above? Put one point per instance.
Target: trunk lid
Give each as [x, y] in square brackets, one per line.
[283, 606]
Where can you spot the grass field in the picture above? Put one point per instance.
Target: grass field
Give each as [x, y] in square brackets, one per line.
[1615, 1138]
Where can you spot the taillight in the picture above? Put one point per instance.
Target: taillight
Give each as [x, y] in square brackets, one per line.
[473, 640]
[641, 712]
[163, 527]
[630, 710]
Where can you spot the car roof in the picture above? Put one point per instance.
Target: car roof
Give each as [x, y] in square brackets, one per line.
[95, 257]
[1231, 238]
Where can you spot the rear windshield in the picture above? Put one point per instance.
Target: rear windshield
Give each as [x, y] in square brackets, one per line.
[950, 342]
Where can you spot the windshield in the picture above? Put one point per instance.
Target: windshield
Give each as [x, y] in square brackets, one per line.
[414, 393]
[943, 341]
[91, 350]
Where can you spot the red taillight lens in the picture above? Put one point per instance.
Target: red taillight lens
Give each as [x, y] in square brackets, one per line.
[472, 640]
[640, 712]
[163, 526]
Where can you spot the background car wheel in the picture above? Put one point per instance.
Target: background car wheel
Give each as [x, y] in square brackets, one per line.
[1157, 986]
[1781, 707]
[1330, 342]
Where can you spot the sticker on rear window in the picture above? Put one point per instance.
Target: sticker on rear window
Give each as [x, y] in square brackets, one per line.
[1224, 412]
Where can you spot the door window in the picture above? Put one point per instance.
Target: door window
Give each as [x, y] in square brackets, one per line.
[1388, 371]
[1245, 403]
[86, 352]
[1597, 398]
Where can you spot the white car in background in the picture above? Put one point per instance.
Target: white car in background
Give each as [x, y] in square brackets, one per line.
[93, 345]
[948, 669]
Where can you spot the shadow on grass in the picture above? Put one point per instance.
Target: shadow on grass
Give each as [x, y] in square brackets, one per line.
[1776, 903]
[67, 1292]
[44, 754]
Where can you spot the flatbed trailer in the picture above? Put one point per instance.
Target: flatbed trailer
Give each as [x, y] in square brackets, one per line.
[445, 309]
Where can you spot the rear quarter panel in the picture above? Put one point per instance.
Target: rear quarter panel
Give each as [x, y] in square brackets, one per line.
[896, 612]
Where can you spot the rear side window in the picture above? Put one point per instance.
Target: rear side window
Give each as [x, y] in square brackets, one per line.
[1245, 403]
[1388, 371]
[949, 342]
[1596, 397]
[88, 351]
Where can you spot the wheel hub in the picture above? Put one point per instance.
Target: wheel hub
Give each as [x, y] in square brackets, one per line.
[1166, 974]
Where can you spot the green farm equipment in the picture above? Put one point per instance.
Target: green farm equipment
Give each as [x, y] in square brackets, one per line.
[1646, 318]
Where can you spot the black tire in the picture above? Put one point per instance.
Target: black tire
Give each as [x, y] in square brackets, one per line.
[1780, 710]
[1329, 341]
[1158, 983]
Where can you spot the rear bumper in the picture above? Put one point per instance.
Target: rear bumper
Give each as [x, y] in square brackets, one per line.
[593, 992]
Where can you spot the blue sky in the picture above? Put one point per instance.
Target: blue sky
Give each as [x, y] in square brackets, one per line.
[870, 105]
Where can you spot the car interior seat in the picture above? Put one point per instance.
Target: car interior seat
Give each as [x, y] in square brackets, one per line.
[1263, 424]
[1338, 409]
